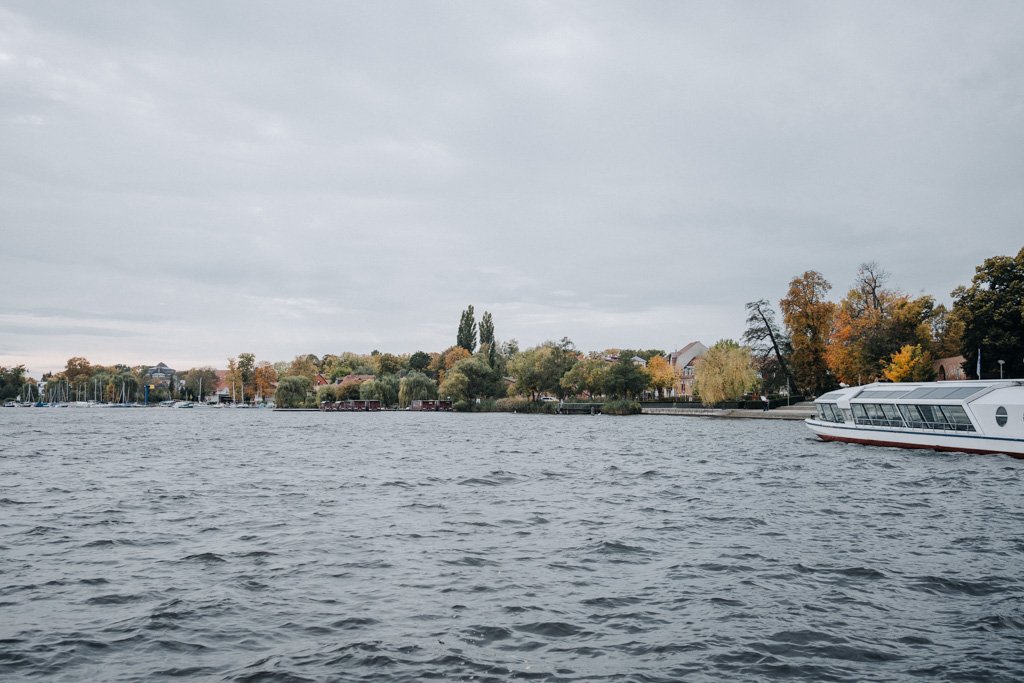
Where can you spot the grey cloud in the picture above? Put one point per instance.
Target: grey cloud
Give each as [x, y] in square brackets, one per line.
[352, 175]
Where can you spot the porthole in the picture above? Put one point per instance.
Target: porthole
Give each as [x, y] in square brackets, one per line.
[1001, 416]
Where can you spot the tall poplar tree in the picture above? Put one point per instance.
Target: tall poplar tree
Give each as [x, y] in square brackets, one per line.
[467, 331]
[487, 337]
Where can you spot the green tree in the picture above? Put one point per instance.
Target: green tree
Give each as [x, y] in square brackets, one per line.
[554, 361]
[328, 392]
[540, 369]
[586, 376]
[454, 386]
[12, 380]
[948, 333]
[246, 369]
[466, 337]
[384, 389]
[291, 391]
[992, 312]
[625, 379]
[419, 361]
[808, 315]
[524, 369]
[487, 338]
[327, 363]
[416, 386]
[389, 363]
[303, 365]
[469, 379]
[348, 391]
[724, 373]
[200, 382]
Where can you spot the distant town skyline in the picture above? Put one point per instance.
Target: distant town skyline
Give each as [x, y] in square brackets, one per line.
[183, 183]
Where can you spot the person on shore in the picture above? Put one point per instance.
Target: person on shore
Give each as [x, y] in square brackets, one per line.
[764, 403]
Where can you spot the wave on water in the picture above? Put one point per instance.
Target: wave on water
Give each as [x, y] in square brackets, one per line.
[234, 546]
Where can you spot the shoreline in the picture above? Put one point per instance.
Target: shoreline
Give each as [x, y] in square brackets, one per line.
[799, 411]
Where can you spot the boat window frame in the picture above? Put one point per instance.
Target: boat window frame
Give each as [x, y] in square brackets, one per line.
[829, 412]
[1002, 416]
[933, 416]
[951, 412]
[936, 417]
[892, 415]
[912, 415]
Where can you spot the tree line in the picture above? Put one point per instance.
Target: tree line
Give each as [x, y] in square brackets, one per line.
[811, 345]
[477, 371]
[877, 332]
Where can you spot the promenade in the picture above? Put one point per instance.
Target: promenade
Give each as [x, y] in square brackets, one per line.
[797, 411]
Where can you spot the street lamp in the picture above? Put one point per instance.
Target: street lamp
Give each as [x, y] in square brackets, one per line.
[1000, 368]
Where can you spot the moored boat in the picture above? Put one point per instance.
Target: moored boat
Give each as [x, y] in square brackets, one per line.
[975, 416]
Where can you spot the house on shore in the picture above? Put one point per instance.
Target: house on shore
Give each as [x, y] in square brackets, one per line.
[684, 369]
[160, 374]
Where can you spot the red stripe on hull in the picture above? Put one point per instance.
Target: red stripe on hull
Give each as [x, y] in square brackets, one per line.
[897, 444]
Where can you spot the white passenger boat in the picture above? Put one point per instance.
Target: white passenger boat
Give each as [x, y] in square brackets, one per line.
[977, 416]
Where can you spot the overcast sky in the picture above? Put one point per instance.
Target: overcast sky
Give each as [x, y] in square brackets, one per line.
[186, 181]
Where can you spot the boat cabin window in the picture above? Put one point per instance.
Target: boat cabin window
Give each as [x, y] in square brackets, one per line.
[890, 412]
[924, 417]
[953, 418]
[876, 414]
[957, 417]
[1001, 416]
[829, 412]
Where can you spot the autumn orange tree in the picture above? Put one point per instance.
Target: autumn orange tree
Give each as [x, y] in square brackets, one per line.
[264, 378]
[661, 373]
[873, 323]
[233, 381]
[453, 355]
[78, 371]
[808, 316]
[909, 364]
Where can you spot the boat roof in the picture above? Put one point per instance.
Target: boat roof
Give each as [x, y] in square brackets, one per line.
[958, 390]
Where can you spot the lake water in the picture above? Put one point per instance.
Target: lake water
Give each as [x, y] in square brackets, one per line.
[247, 545]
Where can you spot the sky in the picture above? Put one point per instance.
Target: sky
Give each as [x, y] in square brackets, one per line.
[183, 182]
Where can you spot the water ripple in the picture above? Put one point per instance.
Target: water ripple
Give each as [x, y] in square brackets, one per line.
[253, 546]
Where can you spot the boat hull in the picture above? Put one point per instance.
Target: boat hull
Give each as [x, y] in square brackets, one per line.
[896, 438]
